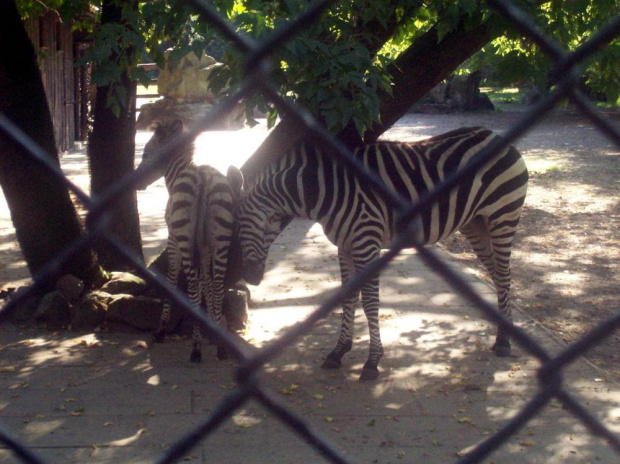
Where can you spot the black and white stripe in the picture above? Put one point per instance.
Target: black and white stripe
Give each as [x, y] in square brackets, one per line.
[200, 215]
[308, 183]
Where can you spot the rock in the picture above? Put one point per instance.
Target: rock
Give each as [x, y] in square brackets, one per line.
[90, 312]
[188, 81]
[26, 311]
[439, 94]
[187, 95]
[140, 312]
[167, 109]
[464, 90]
[71, 287]
[531, 97]
[460, 93]
[54, 310]
[125, 283]
[484, 103]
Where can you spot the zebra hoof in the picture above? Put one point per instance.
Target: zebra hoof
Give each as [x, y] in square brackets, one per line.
[502, 349]
[159, 336]
[331, 363]
[196, 356]
[369, 373]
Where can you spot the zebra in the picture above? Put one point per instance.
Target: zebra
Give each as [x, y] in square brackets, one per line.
[200, 215]
[306, 182]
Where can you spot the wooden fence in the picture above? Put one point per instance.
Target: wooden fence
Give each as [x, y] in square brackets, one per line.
[53, 43]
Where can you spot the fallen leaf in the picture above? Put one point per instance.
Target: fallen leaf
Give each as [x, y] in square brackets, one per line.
[290, 390]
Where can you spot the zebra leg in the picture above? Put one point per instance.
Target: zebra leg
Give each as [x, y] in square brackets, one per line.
[160, 334]
[215, 307]
[174, 267]
[370, 302]
[502, 243]
[195, 295]
[345, 339]
[491, 255]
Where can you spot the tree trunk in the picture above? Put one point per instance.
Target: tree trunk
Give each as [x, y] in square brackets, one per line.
[111, 152]
[424, 65]
[43, 215]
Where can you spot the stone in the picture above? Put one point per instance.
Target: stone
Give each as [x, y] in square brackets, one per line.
[461, 93]
[140, 312]
[167, 109]
[71, 287]
[188, 81]
[90, 311]
[438, 94]
[484, 103]
[125, 283]
[531, 97]
[54, 310]
[25, 312]
[187, 96]
[464, 90]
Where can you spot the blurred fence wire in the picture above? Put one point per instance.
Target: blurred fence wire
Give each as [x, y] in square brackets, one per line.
[257, 56]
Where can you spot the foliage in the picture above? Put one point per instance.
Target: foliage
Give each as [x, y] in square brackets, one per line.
[513, 59]
[337, 66]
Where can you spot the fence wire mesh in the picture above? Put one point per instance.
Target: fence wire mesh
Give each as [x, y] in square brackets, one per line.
[250, 386]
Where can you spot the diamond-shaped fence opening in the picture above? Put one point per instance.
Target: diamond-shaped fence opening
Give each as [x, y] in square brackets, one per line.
[249, 384]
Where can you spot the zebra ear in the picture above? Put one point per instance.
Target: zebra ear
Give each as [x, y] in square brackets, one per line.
[235, 178]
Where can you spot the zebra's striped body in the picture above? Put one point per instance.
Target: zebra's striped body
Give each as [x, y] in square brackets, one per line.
[308, 183]
[200, 215]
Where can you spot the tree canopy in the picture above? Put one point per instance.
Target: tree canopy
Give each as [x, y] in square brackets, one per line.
[339, 66]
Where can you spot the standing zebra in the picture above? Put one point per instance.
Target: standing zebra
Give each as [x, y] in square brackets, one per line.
[200, 219]
[308, 183]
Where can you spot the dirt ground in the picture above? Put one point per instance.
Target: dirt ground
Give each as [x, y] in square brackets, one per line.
[566, 259]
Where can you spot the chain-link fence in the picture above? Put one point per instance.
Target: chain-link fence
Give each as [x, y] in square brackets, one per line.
[249, 385]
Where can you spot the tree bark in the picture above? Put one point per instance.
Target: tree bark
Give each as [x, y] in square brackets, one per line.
[43, 215]
[111, 153]
[422, 66]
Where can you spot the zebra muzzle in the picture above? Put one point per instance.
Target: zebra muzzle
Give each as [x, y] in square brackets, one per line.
[253, 272]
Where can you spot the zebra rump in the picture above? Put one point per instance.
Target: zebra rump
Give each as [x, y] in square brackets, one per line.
[309, 183]
[200, 215]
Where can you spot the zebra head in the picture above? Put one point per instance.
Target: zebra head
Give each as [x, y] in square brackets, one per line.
[151, 160]
[260, 223]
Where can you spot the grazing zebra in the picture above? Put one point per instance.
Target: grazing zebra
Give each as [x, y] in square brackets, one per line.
[200, 219]
[308, 183]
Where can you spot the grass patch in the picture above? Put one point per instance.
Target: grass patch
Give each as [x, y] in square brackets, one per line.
[502, 96]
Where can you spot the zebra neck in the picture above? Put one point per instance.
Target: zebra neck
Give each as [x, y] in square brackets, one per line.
[302, 179]
[176, 167]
